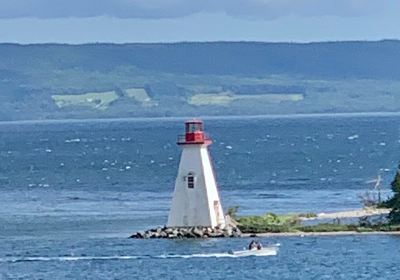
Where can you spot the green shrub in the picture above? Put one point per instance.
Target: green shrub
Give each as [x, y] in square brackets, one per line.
[307, 215]
[269, 222]
[232, 212]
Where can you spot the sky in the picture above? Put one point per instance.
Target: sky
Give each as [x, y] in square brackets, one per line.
[121, 21]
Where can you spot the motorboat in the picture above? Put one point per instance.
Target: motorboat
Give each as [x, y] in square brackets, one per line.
[270, 250]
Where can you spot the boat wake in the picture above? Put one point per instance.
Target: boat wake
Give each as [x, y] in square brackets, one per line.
[112, 258]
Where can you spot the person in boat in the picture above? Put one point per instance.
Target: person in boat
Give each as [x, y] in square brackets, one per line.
[255, 245]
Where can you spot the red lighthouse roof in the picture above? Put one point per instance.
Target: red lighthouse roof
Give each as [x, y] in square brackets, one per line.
[194, 133]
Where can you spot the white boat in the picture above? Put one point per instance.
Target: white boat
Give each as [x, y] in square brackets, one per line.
[270, 250]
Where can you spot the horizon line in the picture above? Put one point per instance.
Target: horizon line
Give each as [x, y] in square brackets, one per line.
[204, 42]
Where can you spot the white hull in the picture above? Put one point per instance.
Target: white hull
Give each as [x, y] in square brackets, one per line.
[266, 251]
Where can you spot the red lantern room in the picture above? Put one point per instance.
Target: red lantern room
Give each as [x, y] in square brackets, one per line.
[194, 134]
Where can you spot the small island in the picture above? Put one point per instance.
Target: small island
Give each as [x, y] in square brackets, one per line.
[378, 217]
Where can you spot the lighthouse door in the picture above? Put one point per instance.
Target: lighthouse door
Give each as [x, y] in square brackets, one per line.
[216, 210]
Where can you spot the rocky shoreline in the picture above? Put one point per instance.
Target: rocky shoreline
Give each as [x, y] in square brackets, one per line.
[189, 232]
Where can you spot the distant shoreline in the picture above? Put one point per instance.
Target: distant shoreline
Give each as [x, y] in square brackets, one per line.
[322, 228]
[221, 117]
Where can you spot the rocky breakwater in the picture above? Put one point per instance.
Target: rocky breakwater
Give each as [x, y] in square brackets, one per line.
[189, 232]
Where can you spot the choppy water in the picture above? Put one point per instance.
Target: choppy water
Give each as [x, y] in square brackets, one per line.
[71, 192]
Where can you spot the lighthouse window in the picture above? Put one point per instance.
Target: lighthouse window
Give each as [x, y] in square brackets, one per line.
[190, 181]
[193, 127]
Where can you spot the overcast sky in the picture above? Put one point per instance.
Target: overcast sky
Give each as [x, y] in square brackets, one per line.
[80, 21]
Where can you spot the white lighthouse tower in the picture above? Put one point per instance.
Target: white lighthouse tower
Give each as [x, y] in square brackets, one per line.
[195, 201]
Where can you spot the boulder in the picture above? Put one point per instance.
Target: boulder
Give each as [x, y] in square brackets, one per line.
[228, 232]
[189, 234]
[198, 232]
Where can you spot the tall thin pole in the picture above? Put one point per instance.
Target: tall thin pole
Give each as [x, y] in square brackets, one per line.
[378, 187]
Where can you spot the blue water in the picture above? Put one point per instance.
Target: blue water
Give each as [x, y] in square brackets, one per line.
[72, 192]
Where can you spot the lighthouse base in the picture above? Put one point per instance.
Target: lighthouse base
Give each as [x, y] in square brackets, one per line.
[188, 232]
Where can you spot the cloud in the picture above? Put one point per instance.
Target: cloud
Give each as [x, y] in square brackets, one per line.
[272, 9]
[155, 9]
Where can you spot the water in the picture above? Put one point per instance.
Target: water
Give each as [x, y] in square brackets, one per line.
[72, 192]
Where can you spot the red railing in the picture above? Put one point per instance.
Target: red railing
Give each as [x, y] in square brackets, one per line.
[182, 140]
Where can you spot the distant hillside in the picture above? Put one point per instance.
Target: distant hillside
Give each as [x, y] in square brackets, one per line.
[174, 79]
[327, 60]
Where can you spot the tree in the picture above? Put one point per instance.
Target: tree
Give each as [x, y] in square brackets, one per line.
[394, 202]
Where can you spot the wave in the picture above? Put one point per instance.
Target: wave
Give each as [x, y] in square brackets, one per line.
[65, 258]
[111, 258]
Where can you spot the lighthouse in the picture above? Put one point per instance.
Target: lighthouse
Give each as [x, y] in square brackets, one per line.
[195, 201]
